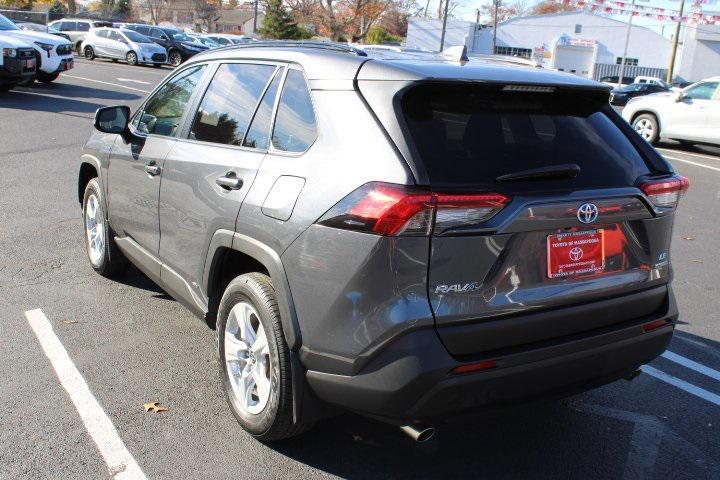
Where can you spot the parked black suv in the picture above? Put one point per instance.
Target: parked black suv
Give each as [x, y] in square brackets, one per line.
[179, 45]
[404, 235]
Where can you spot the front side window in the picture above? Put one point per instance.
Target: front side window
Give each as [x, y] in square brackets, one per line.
[157, 33]
[68, 26]
[229, 103]
[113, 35]
[83, 27]
[295, 126]
[704, 91]
[164, 111]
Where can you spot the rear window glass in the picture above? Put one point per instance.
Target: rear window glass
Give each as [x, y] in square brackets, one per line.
[471, 135]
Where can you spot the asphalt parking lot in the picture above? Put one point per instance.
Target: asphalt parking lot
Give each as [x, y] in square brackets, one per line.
[133, 344]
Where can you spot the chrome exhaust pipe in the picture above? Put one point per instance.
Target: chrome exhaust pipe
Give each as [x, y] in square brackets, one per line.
[419, 433]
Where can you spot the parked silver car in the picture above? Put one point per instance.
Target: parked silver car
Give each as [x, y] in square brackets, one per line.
[689, 116]
[120, 44]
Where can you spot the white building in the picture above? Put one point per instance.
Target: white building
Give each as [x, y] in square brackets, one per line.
[579, 42]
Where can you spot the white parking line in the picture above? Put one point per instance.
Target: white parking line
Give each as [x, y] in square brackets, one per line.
[106, 83]
[132, 81]
[692, 163]
[682, 384]
[686, 362]
[120, 462]
[699, 155]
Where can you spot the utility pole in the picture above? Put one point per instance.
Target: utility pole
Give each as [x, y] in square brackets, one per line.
[496, 4]
[477, 16]
[427, 7]
[627, 40]
[442, 36]
[673, 51]
[255, 18]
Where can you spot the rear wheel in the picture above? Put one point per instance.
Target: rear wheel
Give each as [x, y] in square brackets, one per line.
[78, 48]
[131, 58]
[647, 126]
[89, 53]
[47, 77]
[174, 58]
[99, 243]
[255, 359]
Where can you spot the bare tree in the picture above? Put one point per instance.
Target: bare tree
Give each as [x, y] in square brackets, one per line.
[205, 11]
[155, 8]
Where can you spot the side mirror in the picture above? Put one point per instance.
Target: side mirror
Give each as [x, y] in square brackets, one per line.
[122, 40]
[112, 119]
[679, 97]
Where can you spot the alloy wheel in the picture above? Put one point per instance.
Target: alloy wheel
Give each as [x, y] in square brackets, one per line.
[175, 59]
[132, 58]
[645, 128]
[94, 230]
[247, 358]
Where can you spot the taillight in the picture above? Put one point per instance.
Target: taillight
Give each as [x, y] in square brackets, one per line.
[388, 209]
[665, 193]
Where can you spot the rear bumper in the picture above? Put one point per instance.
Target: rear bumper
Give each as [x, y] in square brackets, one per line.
[411, 379]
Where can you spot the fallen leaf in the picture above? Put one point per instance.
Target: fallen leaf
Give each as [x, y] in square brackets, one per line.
[154, 407]
[70, 321]
[689, 238]
[697, 261]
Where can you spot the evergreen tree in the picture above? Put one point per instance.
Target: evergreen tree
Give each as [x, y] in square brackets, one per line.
[122, 9]
[278, 22]
[57, 10]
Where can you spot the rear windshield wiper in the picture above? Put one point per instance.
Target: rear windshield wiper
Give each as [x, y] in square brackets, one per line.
[568, 170]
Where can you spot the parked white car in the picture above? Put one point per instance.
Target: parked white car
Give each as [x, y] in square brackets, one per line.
[53, 54]
[689, 116]
[17, 62]
[120, 44]
[77, 29]
[225, 39]
[205, 40]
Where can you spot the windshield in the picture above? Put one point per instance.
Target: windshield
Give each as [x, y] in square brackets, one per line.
[6, 24]
[469, 135]
[136, 37]
[182, 37]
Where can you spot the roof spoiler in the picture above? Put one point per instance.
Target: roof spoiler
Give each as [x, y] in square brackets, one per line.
[457, 53]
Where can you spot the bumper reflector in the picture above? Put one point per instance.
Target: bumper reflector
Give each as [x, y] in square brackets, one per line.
[475, 367]
[655, 324]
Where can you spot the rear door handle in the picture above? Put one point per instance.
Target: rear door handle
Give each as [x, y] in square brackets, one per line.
[152, 169]
[230, 181]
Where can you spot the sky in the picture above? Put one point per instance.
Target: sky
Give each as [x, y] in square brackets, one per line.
[466, 11]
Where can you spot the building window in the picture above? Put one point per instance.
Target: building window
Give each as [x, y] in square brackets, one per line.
[628, 61]
[578, 28]
[513, 52]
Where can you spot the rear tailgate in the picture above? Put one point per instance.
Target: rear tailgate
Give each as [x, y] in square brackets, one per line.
[577, 231]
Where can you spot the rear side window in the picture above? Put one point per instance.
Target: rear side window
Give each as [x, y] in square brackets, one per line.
[295, 128]
[258, 135]
[469, 135]
[230, 102]
[68, 26]
[83, 27]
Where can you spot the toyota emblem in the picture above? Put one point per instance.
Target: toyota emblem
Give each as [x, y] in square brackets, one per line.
[576, 253]
[587, 213]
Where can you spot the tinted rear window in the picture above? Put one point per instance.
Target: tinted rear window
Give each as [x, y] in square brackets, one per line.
[470, 135]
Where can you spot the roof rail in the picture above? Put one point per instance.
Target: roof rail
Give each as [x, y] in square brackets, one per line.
[333, 46]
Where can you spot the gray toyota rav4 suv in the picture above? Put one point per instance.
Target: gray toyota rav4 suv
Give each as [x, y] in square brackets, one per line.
[404, 235]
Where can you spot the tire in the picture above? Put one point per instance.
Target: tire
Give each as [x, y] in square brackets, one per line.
[131, 58]
[272, 417]
[43, 77]
[6, 87]
[100, 258]
[174, 58]
[78, 48]
[89, 53]
[646, 125]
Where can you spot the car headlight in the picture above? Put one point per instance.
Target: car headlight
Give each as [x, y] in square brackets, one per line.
[45, 46]
[9, 52]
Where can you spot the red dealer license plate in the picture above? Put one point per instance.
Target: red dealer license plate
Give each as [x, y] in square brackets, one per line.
[575, 253]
